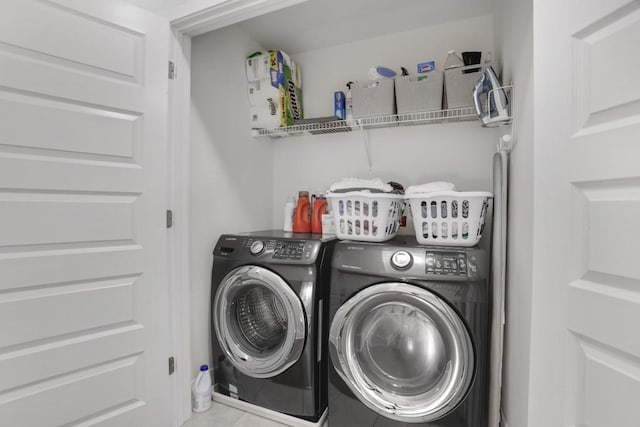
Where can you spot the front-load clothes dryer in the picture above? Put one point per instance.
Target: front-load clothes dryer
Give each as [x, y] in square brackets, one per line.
[409, 335]
[269, 320]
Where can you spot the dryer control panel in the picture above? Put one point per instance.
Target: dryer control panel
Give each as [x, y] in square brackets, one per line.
[403, 258]
[446, 263]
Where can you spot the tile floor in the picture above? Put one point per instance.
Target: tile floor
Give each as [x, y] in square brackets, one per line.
[220, 415]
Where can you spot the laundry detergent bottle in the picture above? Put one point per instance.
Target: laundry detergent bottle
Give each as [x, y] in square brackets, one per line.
[319, 209]
[302, 215]
[201, 390]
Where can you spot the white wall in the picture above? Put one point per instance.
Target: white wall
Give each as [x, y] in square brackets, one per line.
[514, 47]
[460, 152]
[230, 172]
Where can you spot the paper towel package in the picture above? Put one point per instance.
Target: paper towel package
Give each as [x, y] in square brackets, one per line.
[274, 88]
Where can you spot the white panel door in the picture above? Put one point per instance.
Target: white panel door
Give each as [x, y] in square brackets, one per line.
[83, 289]
[586, 314]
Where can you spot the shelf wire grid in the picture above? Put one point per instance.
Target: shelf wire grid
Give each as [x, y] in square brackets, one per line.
[462, 114]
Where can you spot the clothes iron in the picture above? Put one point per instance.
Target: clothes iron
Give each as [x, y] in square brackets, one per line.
[489, 90]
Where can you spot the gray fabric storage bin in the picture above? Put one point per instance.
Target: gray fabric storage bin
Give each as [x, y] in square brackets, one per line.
[373, 98]
[419, 93]
[459, 84]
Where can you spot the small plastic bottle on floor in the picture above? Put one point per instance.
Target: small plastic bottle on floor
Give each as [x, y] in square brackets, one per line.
[201, 390]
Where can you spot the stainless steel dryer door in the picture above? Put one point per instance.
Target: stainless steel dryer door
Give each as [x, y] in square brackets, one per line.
[403, 352]
[259, 321]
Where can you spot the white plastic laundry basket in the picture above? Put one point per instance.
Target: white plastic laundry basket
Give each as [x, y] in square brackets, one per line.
[367, 217]
[449, 218]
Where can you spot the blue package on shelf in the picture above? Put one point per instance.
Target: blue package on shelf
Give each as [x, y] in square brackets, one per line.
[426, 67]
[339, 105]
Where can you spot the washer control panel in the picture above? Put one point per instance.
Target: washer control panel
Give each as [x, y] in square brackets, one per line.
[283, 250]
[288, 250]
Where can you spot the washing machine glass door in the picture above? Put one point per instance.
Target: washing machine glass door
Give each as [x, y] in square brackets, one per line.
[403, 351]
[259, 321]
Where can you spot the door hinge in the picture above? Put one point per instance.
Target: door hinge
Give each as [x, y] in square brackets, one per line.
[172, 365]
[172, 70]
[169, 218]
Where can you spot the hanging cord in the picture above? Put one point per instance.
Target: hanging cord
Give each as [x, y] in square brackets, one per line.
[506, 142]
[367, 146]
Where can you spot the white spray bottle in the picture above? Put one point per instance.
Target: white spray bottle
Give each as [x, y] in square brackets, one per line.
[348, 103]
[289, 209]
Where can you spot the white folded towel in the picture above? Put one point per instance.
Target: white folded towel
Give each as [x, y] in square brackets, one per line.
[361, 184]
[430, 187]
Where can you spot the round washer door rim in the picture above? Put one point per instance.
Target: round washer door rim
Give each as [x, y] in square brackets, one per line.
[291, 349]
[376, 398]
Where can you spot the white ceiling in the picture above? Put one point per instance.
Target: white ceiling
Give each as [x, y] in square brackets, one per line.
[321, 23]
[157, 6]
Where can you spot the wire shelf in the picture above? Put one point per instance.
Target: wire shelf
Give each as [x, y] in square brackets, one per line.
[463, 114]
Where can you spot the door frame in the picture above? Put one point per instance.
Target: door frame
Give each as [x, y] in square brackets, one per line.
[183, 28]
